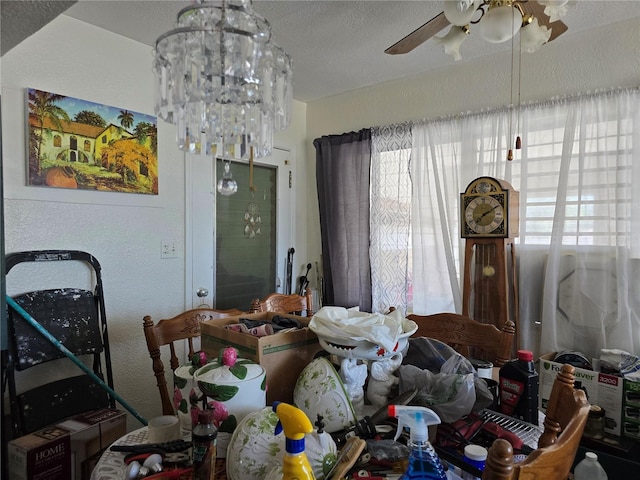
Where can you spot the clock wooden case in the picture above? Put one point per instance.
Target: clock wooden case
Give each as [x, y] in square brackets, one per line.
[489, 209]
[489, 223]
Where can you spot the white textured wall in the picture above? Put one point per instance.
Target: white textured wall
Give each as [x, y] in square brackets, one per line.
[574, 63]
[123, 231]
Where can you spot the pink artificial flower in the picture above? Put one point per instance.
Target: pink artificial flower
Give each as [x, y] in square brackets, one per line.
[203, 358]
[229, 356]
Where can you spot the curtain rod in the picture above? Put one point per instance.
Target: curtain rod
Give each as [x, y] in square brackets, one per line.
[549, 102]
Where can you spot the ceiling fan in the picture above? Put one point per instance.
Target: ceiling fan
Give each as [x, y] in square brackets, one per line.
[538, 22]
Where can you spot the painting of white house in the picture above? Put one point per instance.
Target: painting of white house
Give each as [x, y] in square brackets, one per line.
[79, 144]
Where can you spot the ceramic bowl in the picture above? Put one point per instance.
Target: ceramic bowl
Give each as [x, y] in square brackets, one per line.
[364, 349]
[254, 449]
[319, 390]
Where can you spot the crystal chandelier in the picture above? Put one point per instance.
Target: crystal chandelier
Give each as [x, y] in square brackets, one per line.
[222, 81]
[498, 21]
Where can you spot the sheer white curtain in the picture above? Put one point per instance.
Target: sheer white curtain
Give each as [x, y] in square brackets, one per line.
[591, 297]
[447, 155]
[579, 237]
[390, 217]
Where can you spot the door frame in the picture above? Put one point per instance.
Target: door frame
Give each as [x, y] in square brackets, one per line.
[200, 221]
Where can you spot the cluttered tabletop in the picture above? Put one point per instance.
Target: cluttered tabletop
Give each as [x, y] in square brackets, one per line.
[357, 406]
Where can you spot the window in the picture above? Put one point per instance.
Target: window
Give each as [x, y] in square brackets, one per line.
[57, 141]
[593, 183]
[574, 175]
[87, 146]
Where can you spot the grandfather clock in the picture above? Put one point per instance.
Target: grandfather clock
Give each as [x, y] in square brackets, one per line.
[489, 212]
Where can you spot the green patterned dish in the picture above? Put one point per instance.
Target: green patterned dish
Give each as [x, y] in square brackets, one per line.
[319, 390]
[254, 449]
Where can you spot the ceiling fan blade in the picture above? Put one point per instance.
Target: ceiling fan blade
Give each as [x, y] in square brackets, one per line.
[419, 35]
[537, 10]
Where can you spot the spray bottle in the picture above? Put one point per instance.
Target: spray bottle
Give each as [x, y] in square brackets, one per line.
[295, 424]
[423, 460]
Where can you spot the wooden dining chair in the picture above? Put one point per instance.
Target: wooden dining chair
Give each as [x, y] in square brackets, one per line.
[566, 416]
[282, 303]
[465, 334]
[185, 326]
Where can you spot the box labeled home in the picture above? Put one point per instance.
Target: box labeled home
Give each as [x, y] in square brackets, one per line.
[631, 409]
[42, 455]
[282, 355]
[90, 433]
[602, 389]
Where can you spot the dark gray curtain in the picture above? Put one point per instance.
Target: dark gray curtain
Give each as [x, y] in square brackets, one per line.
[342, 173]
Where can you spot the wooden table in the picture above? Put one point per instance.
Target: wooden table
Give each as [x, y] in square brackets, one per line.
[111, 465]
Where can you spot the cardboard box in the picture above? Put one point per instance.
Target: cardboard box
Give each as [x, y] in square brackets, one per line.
[91, 433]
[282, 355]
[42, 455]
[631, 409]
[601, 389]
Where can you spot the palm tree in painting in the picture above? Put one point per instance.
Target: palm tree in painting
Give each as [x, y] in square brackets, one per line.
[43, 106]
[144, 131]
[126, 118]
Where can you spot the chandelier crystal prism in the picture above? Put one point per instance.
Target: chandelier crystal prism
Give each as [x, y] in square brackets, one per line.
[222, 81]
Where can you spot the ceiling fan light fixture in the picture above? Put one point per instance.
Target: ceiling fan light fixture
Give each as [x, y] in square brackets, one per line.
[460, 12]
[498, 21]
[555, 9]
[500, 24]
[452, 41]
[533, 36]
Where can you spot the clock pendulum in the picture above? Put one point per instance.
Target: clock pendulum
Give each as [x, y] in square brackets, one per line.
[489, 223]
[488, 285]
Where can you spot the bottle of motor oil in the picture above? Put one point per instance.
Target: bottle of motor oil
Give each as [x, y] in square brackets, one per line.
[518, 387]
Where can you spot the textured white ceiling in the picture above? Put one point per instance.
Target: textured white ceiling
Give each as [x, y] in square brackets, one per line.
[336, 46]
[20, 19]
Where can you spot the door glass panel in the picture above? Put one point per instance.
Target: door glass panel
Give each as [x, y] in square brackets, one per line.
[246, 237]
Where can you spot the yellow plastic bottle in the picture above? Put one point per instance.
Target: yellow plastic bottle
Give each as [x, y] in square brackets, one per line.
[295, 424]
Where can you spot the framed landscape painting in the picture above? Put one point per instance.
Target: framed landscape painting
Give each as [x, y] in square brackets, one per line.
[79, 144]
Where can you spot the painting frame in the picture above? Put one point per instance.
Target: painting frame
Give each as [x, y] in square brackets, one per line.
[79, 144]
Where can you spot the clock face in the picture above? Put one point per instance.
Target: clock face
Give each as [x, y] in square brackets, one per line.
[484, 215]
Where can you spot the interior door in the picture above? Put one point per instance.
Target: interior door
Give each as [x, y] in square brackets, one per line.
[222, 232]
